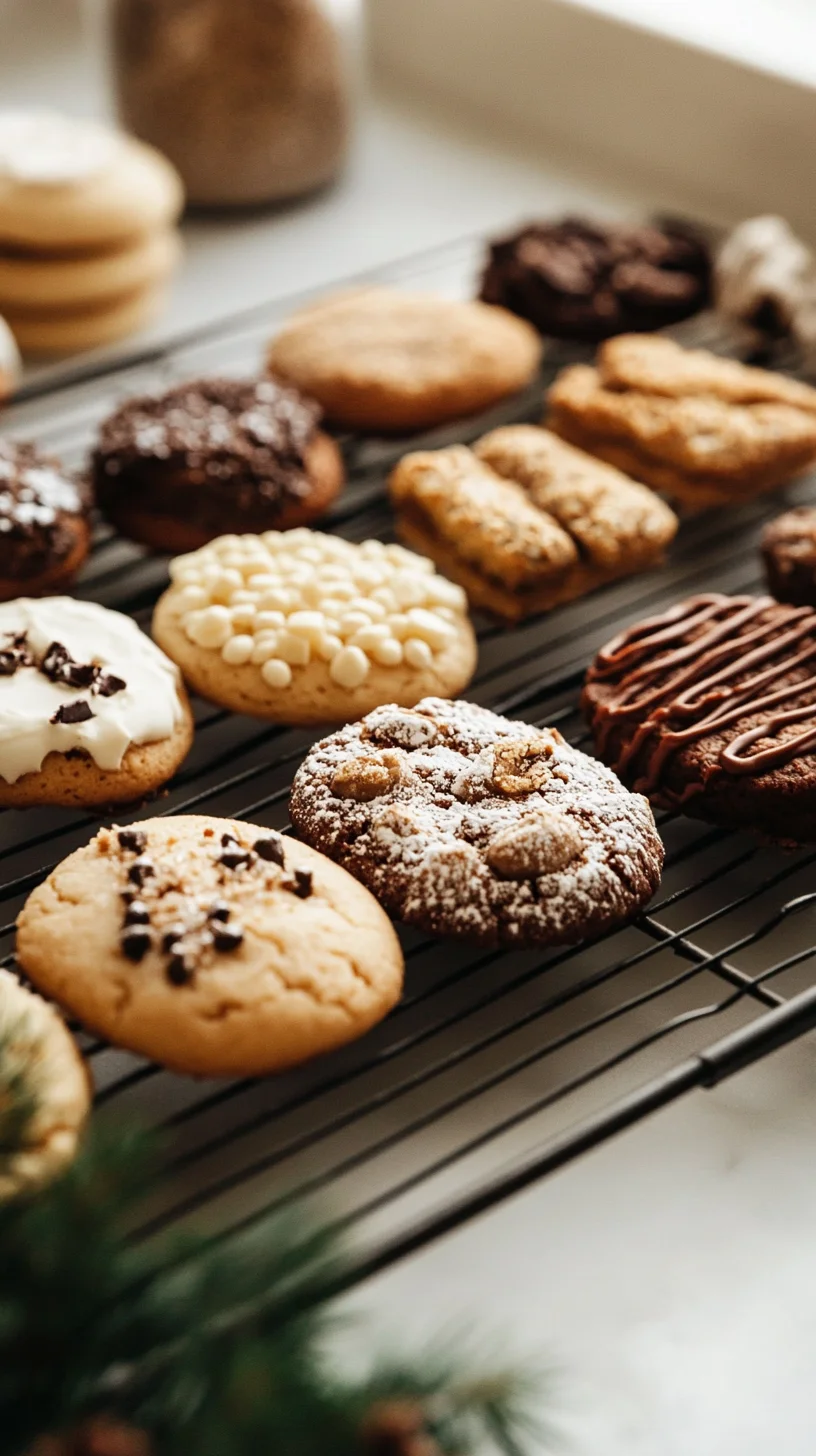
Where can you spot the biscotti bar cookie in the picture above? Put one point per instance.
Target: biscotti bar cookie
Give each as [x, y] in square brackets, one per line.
[578, 279]
[212, 946]
[789, 551]
[710, 707]
[45, 531]
[39, 1055]
[301, 627]
[470, 825]
[174, 470]
[525, 522]
[703, 430]
[91, 712]
[382, 360]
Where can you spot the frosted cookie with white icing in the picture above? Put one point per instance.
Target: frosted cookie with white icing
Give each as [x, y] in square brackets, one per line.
[91, 711]
[305, 628]
[10, 363]
[45, 530]
[39, 1053]
[213, 946]
[469, 825]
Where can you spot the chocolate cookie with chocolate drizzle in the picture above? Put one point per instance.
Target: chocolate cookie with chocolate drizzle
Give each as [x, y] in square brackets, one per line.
[45, 529]
[711, 708]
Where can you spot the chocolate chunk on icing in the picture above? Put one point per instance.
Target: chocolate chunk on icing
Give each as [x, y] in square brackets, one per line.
[78, 712]
[705, 669]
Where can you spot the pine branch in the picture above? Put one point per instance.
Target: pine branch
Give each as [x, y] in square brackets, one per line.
[18, 1098]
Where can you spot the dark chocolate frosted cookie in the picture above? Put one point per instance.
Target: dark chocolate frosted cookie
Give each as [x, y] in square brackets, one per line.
[711, 708]
[583, 280]
[214, 457]
[44, 528]
[470, 825]
[789, 552]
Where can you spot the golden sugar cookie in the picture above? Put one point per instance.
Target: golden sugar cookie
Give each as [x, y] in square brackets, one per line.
[72, 332]
[91, 711]
[379, 359]
[212, 946]
[49, 282]
[301, 627]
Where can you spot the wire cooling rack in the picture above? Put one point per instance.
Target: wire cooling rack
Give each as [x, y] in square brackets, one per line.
[496, 1068]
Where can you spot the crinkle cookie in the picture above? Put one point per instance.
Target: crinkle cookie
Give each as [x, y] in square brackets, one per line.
[380, 359]
[470, 825]
[40, 1056]
[301, 627]
[215, 947]
[45, 528]
[703, 430]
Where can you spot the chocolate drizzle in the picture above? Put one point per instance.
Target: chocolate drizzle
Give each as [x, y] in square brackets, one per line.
[699, 671]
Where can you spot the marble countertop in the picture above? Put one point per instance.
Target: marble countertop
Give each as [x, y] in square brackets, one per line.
[671, 1275]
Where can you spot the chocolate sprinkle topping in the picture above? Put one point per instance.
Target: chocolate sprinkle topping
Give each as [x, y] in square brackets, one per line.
[236, 859]
[141, 870]
[136, 943]
[78, 712]
[107, 685]
[271, 849]
[133, 839]
[137, 913]
[179, 971]
[300, 884]
[219, 911]
[59, 667]
[228, 937]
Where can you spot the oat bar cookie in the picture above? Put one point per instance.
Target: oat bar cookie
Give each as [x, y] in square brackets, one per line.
[470, 825]
[525, 522]
[215, 947]
[702, 430]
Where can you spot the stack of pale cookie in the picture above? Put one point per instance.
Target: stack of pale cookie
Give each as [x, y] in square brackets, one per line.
[88, 238]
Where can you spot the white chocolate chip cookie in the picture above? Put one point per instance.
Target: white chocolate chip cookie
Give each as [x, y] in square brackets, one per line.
[305, 628]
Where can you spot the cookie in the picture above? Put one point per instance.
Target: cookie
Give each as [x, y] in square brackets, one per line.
[39, 1055]
[470, 825]
[212, 946]
[577, 279]
[212, 456]
[765, 276]
[383, 360]
[10, 362]
[43, 283]
[789, 551]
[301, 628]
[70, 184]
[704, 431]
[711, 708]
[91, 712]
[525, 522]
[45, 531]
[72, 331]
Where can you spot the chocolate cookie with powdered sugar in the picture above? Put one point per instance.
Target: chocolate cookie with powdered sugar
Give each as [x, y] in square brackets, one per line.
[466, 824]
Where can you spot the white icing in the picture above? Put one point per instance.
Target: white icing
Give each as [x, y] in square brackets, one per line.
[281, 600]
[763, 261]
[146, 711]
[10, 362]
[44, 149]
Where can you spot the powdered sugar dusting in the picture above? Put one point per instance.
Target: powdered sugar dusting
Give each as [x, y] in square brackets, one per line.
[464, 823]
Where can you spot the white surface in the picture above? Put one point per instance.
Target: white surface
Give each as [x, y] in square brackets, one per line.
[672, 1274]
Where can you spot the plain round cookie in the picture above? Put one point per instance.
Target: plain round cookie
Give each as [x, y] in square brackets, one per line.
[38, 1048]
[10, 362]
[44, 282]
[469, 825]
[316, 963]
[119, 188]
[379, 359]
[229, 625]
[74, 332]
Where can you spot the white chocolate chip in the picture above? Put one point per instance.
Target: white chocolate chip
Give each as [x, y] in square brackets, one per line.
[276, 674]
[265, 647]
[368, 637]
[351, 622]
[387, 653]
[417, 653]
[243, 615]
[386, 598]
[238, 650]
[311, 625]
[408, 588]
[266, 620]
[293, 649]
[328, 645]
[349, 667]
[432, 629]
[210, 627]
[277, 599]
[192, 597]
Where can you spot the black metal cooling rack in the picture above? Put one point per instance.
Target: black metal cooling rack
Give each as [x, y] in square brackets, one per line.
[496, 1068]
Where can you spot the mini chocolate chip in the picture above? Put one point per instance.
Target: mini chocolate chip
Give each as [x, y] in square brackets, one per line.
[173, 936]
[229, 839]
[78, 712]
[300, 884]
[137, 913]
[79, 674]
[139, 871]
[219, 910]
[236, 859]
[270, 848]
[107, 684]
[179, 971]
[136, 943]
[134, 839]
[228, 937]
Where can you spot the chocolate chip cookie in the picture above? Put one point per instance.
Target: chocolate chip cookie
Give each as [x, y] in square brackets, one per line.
[710, 707]
[789, 551]
[470, 825]
[215, 947]
[213, 456]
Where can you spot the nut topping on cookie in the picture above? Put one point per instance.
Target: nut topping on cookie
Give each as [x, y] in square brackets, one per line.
[521, 767]
[366, 778]
[537, 846]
